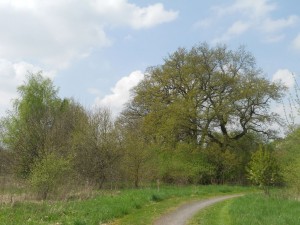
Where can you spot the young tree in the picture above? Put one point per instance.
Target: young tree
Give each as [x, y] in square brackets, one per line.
[96, 149]
[33, 116]
[289, 150]
[139, 160]
[39, 133]
[264, 169]
[48, 174]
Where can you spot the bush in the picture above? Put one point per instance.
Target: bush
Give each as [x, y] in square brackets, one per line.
[48, 174]
[290, 160]
[292, 175]
[264, 169]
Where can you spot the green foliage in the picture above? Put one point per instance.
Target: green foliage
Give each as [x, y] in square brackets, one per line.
[96, 148]
[225, 164]
[140, 160]
[27, 126]
[48, 174]
[264, 168]
[205, 95]
[193, 119]
[292, 175]
[41, 125]
[289, 150]
[184, 165]
[212, 99]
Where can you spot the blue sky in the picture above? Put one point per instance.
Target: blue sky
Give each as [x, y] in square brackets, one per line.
[96, 50]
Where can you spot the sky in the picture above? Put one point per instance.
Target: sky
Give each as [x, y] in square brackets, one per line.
[95, 51]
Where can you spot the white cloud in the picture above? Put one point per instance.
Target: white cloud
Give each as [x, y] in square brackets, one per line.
[54, 33]
[296, 42]
[204, 23]
[238, 28]
[13, 75]
[284, 76]
[121, 12]
[93, 91]
[250, 8]
[274, 38]
[253, 15]
[270, 25]
[234, 30]
[120, 93]
[49, 35]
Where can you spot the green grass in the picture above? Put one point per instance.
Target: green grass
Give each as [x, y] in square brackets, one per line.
[252, 209]
[138, 205]
[150, 212]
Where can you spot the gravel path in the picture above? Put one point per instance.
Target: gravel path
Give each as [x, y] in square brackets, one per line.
[185, 212]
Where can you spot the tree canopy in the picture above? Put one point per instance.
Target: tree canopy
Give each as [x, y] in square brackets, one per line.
[204, 95]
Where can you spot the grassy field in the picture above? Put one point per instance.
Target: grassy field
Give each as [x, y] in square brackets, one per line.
[252, 209]
[141, 206]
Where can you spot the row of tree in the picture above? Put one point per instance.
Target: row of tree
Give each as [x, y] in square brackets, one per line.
[55, 143]
[197, 118]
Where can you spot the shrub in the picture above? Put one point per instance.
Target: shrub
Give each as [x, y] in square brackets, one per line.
[48, 174]
[264, 169]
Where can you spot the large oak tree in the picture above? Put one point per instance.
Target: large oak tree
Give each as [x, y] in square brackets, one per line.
[204, 95]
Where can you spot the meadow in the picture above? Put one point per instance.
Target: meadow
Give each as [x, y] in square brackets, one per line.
[251, 209]
[135, 206]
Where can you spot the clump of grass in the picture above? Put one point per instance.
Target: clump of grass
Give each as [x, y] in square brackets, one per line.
[80, 222]
[157, 197]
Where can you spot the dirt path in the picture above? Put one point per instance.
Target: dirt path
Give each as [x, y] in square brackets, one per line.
[185, 212]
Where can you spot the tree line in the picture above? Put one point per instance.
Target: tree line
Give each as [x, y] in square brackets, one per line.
[202, 117]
